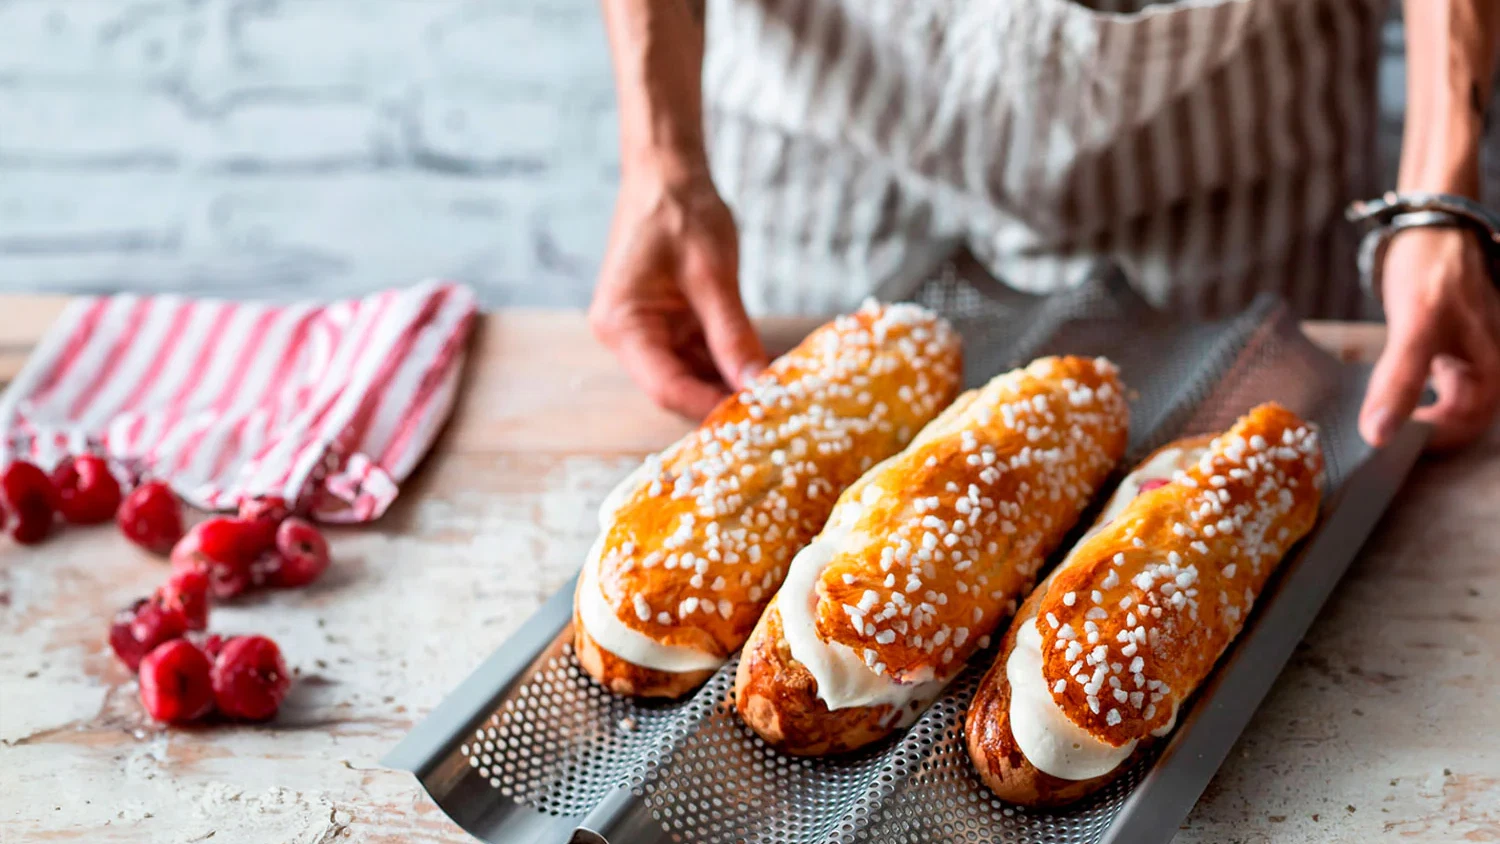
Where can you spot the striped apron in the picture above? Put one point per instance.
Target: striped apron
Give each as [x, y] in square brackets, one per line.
[1207, 146]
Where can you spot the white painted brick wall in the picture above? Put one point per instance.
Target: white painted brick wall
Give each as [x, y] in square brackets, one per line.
[303, 147]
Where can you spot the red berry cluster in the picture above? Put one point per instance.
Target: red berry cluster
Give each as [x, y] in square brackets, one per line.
[183, 675]
[263, 546]
[81, 490]
[243, 678]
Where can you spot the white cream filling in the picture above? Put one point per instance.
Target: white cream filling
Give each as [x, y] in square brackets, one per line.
[1160, 467]
[601, 621]
[613, 635]
[1047, 737]
[844, 681]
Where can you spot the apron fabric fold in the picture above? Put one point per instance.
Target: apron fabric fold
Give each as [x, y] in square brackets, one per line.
[1207, 146]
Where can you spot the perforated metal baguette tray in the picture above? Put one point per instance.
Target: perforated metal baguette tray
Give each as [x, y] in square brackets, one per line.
[528, 748]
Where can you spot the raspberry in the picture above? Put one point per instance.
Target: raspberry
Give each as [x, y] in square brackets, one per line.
[26, 493]
[267, 513]
[142, 626]
[250, 678]
[176, 684]
[301, 554]
[187, 593]
[224, 549]
[87, 493]
[151, 517]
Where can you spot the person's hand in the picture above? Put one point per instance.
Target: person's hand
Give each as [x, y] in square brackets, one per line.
[1443, 324]
[668, 300]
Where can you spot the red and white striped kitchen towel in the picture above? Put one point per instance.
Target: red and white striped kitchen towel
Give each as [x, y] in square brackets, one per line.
[329, 405]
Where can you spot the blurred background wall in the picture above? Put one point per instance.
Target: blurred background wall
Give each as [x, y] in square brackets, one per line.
[306, 147]
[255, 148]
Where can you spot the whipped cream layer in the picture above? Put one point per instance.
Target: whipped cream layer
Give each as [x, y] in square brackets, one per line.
[601, 621]
[844, 681]
[1043, 732]
[1048, 738]
[1162, 466]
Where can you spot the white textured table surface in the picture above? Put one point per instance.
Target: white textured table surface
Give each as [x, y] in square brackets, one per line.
[1378, 727]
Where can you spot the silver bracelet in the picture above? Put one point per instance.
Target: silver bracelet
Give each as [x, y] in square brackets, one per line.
[1394, 212]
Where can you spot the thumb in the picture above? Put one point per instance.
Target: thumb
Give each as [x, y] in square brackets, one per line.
[1396, 384]
[732, 340]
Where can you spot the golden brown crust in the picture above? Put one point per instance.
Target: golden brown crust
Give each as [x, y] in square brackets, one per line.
[778, 699]
[968, 513]
[1186, 560]
[626, 678]
[1215, 541]
[695, 550]
[934, 547]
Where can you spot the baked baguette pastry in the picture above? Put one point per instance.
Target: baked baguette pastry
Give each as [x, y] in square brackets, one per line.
[1103, 653]
[694, 543]
[926, 554]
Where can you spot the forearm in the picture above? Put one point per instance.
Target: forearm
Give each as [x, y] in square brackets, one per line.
[657, 50]
[1451, 53]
